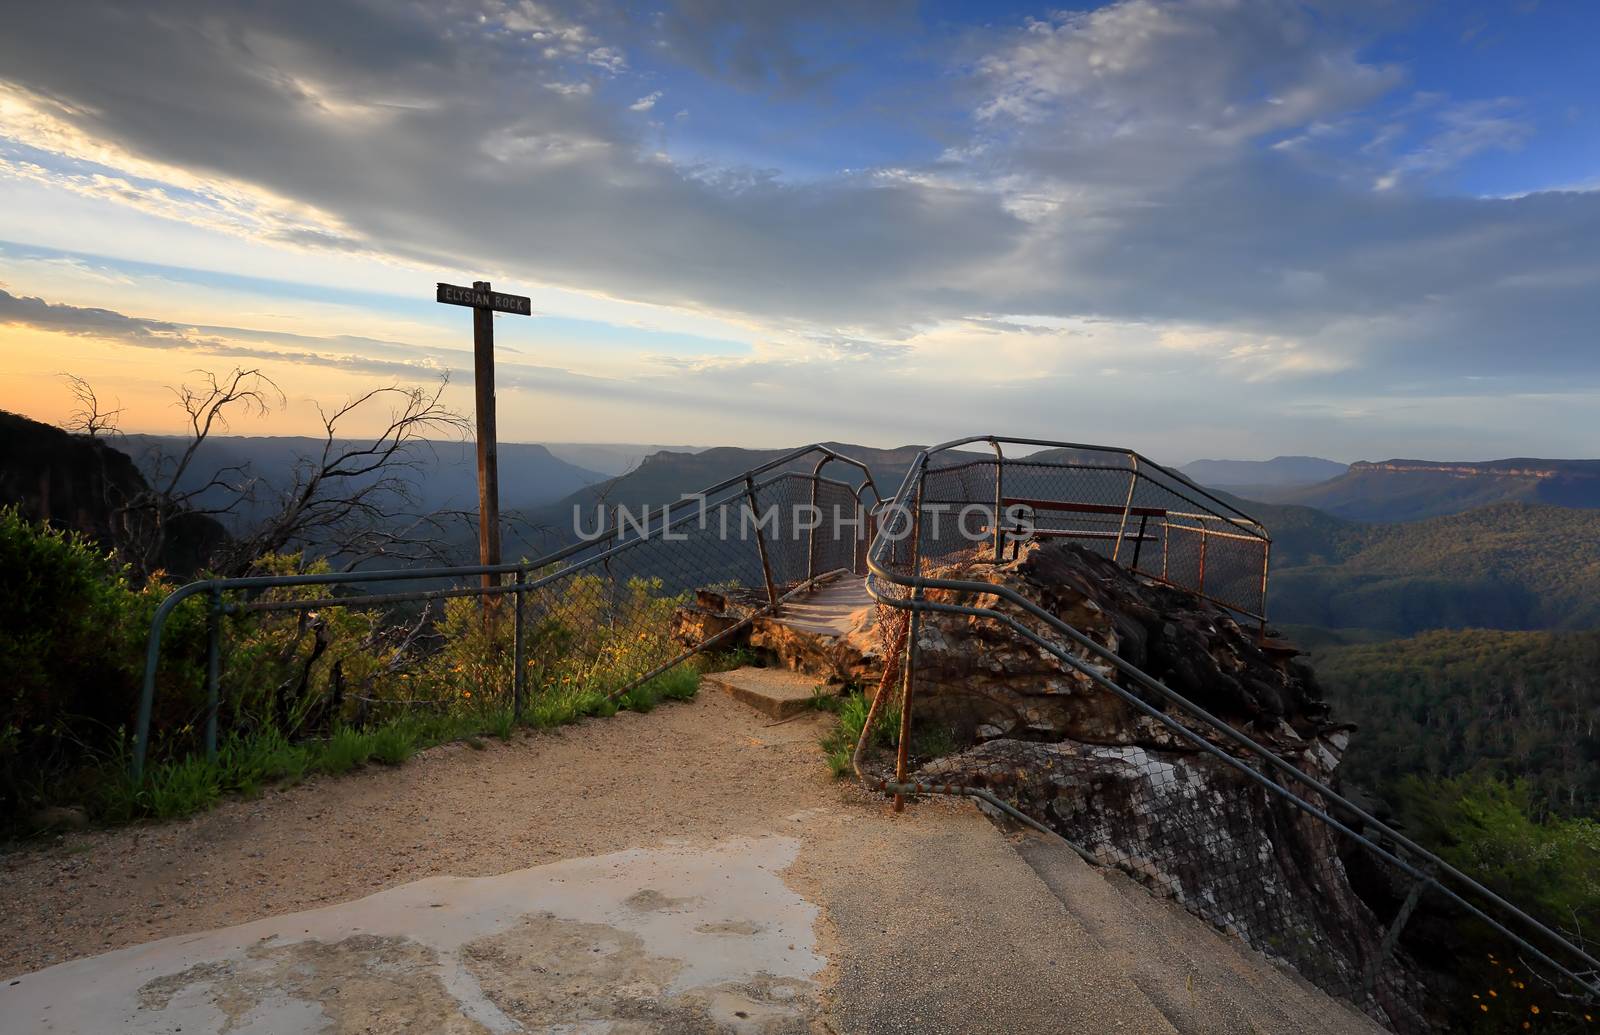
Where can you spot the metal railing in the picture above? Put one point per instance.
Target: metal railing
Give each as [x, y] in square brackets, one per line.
[1113, 501]
[1285, 883]
[595, 611]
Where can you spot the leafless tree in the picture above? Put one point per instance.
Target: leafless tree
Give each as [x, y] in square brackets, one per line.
[353, 498]
[142, 522]
[89, 419]
[350, 500]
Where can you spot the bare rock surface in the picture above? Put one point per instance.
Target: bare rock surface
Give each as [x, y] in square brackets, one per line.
[990, 683]
[674, 939]
[1135, 793]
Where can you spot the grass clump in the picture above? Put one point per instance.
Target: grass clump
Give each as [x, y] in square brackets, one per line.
[839, 743]
[502, 723]
[183, 788]
[345, 750]
[932, 741]
[825, 699]
[246, 764]
[393, 744]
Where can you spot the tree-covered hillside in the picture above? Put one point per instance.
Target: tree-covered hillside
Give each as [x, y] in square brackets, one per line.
[1519, 705]
[1508, 566]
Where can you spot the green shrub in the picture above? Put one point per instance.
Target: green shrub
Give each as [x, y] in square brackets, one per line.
[72, 635]
[1491, 831]
[323, 690]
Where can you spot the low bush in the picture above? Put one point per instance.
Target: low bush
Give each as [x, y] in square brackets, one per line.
[324, 690]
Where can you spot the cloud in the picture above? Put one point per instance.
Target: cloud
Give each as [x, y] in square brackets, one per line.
[1146, 162]
[784, 48]
[1463, 130]
[1098, 94]
[69, 319]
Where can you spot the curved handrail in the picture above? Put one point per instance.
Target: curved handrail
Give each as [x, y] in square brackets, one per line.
[1132, 454]
[667, 522]
[880, 573]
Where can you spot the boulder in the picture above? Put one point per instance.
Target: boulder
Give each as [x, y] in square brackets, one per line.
[851, 658]
[715, 611]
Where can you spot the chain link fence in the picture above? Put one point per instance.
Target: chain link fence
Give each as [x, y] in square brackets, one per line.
[580, 627]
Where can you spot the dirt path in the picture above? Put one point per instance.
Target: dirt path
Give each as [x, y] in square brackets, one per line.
[705, 769]
[643, 869]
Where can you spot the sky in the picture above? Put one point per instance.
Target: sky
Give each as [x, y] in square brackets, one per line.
[1209, 228]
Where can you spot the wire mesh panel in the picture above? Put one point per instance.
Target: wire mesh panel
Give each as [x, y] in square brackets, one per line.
[578, 629]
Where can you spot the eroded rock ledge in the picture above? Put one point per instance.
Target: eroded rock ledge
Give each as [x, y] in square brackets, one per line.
[1130, 789]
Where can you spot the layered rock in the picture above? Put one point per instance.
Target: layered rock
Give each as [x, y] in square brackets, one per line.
[1134, 789]
[848, 655]
[714, 612]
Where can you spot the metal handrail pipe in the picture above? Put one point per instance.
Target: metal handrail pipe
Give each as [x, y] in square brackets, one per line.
[666, 523]
[916, 603]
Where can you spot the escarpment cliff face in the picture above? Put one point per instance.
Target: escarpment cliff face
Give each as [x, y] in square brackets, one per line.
[1133, 789]
[82, 484]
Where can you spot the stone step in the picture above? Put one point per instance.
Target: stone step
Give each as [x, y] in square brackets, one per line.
[774, 691]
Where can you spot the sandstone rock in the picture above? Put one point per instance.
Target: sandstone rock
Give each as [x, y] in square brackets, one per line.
[714, 611]
[1130, 789]
[851, 655]
[1191, 827]
[852, 658]
[973, 672]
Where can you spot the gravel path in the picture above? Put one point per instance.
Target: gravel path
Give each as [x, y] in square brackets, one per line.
[703, 769]
[929, 921]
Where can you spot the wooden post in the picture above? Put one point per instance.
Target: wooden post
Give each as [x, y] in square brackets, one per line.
[488, 464]
[485, 302]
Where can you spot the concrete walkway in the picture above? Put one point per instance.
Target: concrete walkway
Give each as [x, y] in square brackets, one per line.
[699, 873]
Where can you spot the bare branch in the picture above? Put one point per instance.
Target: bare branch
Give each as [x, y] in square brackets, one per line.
[89, 419]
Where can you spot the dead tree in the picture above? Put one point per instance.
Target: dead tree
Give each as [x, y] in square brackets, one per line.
[142, 523]
[350, 501]
[89, 419]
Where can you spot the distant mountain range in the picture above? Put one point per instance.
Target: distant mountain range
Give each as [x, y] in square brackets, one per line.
[444, 476]
[611, 458]
[1383, 549]
[1505, 566]
[1250, 474]
[1410, 490]
[666, 476]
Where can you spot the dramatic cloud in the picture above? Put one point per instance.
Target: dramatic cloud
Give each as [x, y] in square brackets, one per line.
[1236, 183]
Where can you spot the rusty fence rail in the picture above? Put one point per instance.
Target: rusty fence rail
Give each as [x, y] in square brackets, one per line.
[595, 613]
[1364, 947]
[1114, 501]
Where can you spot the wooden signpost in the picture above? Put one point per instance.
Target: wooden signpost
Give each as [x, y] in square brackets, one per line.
[484, 303]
